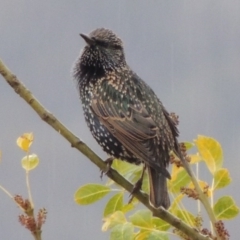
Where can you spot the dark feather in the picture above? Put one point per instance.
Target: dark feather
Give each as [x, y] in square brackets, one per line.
[130, 123]
[123, 113]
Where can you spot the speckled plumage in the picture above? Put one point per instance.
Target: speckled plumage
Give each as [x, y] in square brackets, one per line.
[123, 113]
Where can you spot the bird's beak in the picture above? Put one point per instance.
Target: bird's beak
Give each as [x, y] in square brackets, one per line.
[87, 39]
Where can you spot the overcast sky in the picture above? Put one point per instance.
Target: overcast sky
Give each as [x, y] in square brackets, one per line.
[188, 51]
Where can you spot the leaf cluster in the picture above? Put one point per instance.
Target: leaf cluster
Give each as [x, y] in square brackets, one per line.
[126, 221]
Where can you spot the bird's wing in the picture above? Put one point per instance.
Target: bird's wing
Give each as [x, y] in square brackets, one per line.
[129, 121]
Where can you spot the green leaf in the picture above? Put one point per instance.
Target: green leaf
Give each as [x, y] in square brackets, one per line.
[114, 204]
[151, 235]
[186, 216]
[90, 193]
[156, 235]
[195, 158]
[129, 206]
[180, 179]
[122, 232]
[30, 162]
[116, 218]
[125, 169]
[160, 224]
[211, 152]
[176, 204]
[142, 218]
[221, 178]
[142, 234]
[225, 208]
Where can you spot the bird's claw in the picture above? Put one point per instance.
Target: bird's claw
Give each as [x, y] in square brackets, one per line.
[137, 187]
[109, 162]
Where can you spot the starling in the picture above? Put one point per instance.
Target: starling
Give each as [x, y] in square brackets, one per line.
[123, 113]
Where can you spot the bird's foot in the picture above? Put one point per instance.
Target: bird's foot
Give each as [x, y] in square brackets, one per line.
[109, 162]
[136, 187]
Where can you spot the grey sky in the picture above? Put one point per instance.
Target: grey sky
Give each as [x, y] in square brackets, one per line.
[188, 51]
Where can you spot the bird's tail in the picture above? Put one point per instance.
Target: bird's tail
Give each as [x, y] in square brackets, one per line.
[158, 189]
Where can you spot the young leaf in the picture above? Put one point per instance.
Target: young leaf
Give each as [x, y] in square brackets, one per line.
[157, 235]
[151, 235]
[180, 178]
[129, 206]
[176, 204]
[221, 178]
[116, 218]
[160, 224]
[114, 204]
[142, 218]
[30, 162]
[142, 234]
[211, 152]
[90, 193]
[195, 158]
[122, 232]
[25, 141]
[225, 208]
[186, 217]
[125, 169]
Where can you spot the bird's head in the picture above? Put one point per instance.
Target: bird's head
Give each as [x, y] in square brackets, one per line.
[103, 49]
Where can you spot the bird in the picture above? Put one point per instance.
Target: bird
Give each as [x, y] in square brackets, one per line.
[123, 113]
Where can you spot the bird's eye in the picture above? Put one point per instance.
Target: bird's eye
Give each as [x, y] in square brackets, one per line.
[107, 45]
[101, 43]
[116, 47]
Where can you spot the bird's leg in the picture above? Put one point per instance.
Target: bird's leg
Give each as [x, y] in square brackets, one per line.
[109, 162]
[138, 185]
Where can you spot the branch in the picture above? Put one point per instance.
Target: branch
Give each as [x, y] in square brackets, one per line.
[203, 198]
[75, 142]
